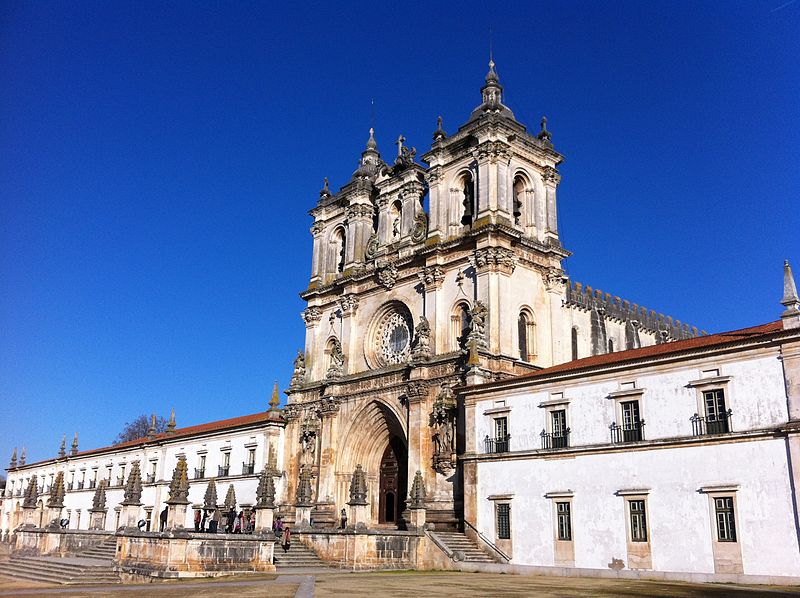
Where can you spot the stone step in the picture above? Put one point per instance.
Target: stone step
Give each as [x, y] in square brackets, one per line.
[66, 570]
[473, 553]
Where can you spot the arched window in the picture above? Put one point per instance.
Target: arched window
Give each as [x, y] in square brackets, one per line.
[526, 335]
[611, 345]
[396, 220]
[519, 199]
[461, 323]
[339, 248]
[468, 202]
[574, 342]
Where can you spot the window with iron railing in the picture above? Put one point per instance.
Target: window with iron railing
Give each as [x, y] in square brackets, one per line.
[151, 478]
[558, 437]
[199, 474]
[632, 428]
[498, 445]
[717, 419]
[503, 521]
[248, 468]
[223, 470]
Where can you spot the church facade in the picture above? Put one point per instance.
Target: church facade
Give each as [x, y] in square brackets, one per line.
[446, 350]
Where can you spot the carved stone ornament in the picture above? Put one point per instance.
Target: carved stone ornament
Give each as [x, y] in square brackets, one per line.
[317, 228]
[495, 258]
[312, 315]
[443, 425]
[133, 488]
[422, 340]
[432, 277]
[555, 279]
[309, 430]
[348, 304]
[230, 499]
[291, 412]
[358, 487]
[420, 229]
[417, 494]
[31, 494]
[210, 498]
[477, 333]
[387, 276]
[329, 406]
[304, 497]
[550, 175]
[372, 247]
[299, 374]
[99, 499]
[416, 390]
[57, 492]
[265, 493]
[179, 485]
[336, 367]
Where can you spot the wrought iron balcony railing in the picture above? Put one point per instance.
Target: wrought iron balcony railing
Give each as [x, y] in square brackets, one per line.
[555, 440]
[248, 468]
[718, 424]
[498, 445]
[199, 474]
[633, 432]
[223, 471]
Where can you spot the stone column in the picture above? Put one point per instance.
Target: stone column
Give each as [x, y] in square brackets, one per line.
[431, 279]
[438, 202]
[325, 509]
[317, 254]
[349, 305]
[550, 178]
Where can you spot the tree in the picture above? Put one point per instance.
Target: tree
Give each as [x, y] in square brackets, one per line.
[139, 427]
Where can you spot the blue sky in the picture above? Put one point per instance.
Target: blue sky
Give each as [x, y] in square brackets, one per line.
[158, 159]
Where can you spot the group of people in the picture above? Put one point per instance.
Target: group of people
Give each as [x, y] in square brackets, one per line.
[282, 532]
[230, 522]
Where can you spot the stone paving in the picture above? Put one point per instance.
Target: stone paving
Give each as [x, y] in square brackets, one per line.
[328, 583]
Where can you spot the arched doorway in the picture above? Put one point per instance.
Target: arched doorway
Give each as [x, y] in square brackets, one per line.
[376, 440]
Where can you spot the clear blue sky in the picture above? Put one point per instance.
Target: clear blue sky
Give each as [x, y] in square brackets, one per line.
[158, 159]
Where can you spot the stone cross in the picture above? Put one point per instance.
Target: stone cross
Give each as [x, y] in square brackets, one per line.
[399, 144]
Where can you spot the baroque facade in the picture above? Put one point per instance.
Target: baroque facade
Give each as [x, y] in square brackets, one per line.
[451, 366]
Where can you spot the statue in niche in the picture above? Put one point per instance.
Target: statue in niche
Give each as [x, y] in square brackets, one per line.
[478, 315]
[422, 347]
[443, 424]
[299, 375]
[336, 367]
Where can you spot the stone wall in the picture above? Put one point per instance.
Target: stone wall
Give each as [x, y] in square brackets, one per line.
[201, 555]
[57, 542]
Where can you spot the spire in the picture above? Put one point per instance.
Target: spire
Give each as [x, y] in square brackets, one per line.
[439, 133]
[151, 432]
[275, 401]
[171, 425]
[371, 143]
[492, 96]
[791, 316]
[62, 450]
[13, 462]
[370, 159]
[544, 134]
[22, 457]
[74, 448]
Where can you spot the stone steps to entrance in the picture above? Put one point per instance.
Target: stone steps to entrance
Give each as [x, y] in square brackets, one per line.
[299, 555]
[457, 541]
[61, 570]
[106, 550]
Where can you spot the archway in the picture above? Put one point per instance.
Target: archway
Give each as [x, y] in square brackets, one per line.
[376, 440]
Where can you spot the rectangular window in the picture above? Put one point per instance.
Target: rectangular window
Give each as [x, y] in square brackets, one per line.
[631, 421]
[503, 521]
[638, 521]
[716, 413]
[726, 521]
[558, 422]
[564, 521]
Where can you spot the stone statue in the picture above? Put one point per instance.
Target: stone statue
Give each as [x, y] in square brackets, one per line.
[179, 485]
[478, 314]
[299, 375]
[336, 367]
[422, 346]
[443, 424]
[358, 487]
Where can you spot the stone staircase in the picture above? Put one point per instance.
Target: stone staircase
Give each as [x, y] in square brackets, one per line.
[61, 570]
[107, 550]
[458, 542]
[299, 556]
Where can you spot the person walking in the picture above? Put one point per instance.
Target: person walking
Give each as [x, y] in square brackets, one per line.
[286, 539]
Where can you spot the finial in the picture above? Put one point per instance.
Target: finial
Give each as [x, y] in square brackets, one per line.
[791, 316]
[151, 432]
[13, 462]
[74, 448]
[275, 401]
[22, 457]
[544, 134]
[171, 425]
[62, 450]
[491, 76]
[399, 144]
[439, 133]
[371, 143]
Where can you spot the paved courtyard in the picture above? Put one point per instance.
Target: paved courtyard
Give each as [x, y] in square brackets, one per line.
[327, 583]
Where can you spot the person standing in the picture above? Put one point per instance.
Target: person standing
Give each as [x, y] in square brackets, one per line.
[203, 522]
[197, 520]
[286, 539]
[215, 519]
[163, 519]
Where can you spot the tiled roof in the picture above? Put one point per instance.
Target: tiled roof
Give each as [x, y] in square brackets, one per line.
[223, 424]
[674, 348]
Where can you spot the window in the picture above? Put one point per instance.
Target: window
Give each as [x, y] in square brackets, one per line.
[461, 325]
[468, 199]
[249, 467]
[558, 423]
[574, 343]
[396, 221]
[503, 521]
[726, 521]
[498, 444]
[716, 414]
[225, 468]
[526, 335]
[339, 248]
[200, 471]
[611, 345]
[519, 199]
[638, 520]
[564, 521]
[631, 428]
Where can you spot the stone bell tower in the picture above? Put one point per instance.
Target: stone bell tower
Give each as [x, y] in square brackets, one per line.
[405, 307]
